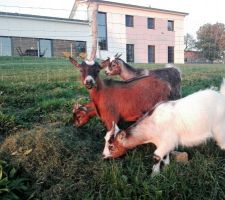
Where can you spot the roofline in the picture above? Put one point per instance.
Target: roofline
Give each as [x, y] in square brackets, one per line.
[43, 18]
[140, 7]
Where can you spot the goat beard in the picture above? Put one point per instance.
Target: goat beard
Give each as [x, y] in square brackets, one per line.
[89, 87]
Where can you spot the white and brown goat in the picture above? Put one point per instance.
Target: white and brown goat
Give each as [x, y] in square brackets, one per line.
[121, 100]
[188, 122]
[116, 66]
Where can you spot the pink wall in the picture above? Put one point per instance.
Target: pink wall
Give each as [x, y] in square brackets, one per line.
[141, 37]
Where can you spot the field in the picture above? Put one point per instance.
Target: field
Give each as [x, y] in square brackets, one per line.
[61, 162]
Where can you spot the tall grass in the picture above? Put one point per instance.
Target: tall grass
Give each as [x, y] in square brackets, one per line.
[64, 162]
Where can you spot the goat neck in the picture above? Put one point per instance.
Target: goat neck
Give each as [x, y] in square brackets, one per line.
[133, 138]
[127, 71]
[95, 94]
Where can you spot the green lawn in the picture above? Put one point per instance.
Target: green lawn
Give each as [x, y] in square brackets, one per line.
[61, 162]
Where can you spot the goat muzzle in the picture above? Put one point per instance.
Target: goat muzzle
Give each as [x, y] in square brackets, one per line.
[90, 85]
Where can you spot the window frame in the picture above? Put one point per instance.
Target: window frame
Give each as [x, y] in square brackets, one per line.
[168, 26]
[153, 60]
[170, 54]
[106, 34]
[132, 53]
[127, 22]
[148, 24]
[75, 47]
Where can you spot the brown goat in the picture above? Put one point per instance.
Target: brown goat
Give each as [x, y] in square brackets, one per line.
[171, 74]
[82, 114]
[121, 100]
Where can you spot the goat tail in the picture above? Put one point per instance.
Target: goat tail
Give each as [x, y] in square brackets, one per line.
[222, 87]
[170, 65]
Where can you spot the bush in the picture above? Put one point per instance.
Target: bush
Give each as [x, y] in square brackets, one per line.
[7, 123]
[11, 185]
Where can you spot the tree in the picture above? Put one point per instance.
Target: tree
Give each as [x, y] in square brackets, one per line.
[94, 30]
[189, 42]
[93, 6]
[211, 41]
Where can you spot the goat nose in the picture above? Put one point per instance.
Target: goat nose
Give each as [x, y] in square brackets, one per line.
[89, 82]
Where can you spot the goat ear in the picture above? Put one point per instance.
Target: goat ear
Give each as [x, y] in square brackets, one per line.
[122, 135]
[74, 62]
[105, 63]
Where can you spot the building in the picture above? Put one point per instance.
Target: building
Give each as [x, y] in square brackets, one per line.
[34, 35]
[191, 56]
[141, 34]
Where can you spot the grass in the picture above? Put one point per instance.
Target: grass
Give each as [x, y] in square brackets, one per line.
[62, 162]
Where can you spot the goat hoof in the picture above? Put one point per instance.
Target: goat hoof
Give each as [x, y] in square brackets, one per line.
[154, 174]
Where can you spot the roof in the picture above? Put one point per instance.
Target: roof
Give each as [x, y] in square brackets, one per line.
[140, 7]
[39, 17]
[102, 2]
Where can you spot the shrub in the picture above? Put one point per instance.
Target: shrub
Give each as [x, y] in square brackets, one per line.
[11, 185]
[7, 123]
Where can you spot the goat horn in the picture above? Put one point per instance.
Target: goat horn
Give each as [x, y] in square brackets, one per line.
[74, 108]
[116, 129]
[77, 105]
[113, 128]
[116, 55]
[119, 55]
[84, 108]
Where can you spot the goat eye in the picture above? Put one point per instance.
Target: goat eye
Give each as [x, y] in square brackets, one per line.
[111, 147]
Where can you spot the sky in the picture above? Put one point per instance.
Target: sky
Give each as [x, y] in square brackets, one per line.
[200, 11]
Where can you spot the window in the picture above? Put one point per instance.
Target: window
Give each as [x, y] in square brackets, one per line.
[129, 21]
[151, 54]
[151, 23]
[45, 48]
[130, 52]
[170, 25]
[5, 46]
[170, 54]
[80, 47]
[102, 31]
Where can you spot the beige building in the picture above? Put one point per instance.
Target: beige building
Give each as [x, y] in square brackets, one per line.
[141, 34]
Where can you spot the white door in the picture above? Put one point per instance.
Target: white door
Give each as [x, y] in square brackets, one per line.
[5, 46]
[45, 48]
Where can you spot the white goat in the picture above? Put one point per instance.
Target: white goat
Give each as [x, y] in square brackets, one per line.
[188, 122]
